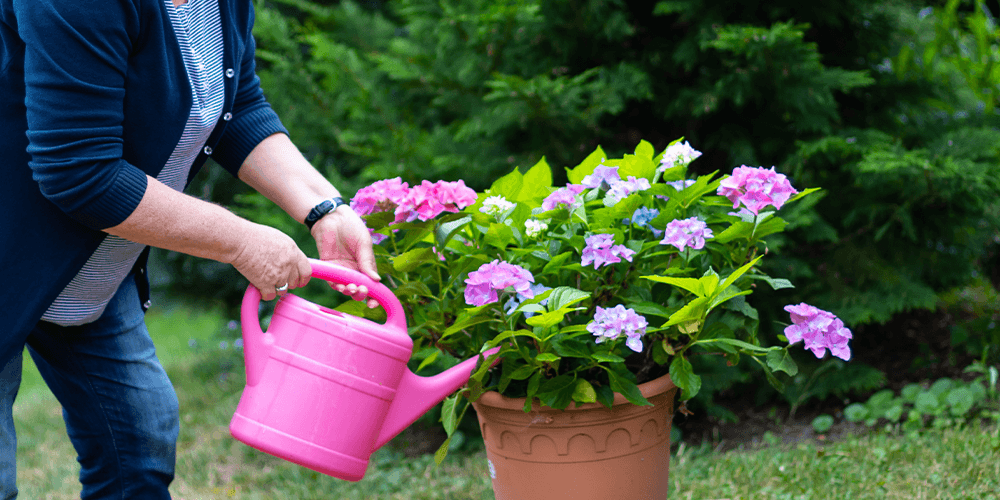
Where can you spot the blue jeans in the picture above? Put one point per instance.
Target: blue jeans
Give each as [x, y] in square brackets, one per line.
[120, 408]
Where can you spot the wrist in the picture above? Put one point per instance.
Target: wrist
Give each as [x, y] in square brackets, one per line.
[323, 209]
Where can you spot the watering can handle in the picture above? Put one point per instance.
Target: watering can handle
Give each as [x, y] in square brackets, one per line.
[254, 339]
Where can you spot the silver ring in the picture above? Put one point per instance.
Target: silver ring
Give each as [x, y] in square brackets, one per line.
[281, 288]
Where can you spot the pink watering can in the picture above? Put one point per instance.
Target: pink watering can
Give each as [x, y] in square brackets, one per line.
[326, 389]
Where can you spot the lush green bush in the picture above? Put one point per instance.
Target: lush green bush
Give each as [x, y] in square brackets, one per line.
[448, 89]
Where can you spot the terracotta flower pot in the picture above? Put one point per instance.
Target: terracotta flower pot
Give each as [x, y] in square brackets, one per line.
[590, 452]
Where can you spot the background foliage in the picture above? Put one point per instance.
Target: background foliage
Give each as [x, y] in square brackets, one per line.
[876, 101]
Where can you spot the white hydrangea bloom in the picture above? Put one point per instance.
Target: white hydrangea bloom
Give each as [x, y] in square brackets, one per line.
[496, 205]
[534, 228]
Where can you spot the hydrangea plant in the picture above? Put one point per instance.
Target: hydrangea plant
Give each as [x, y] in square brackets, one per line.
[592, 287]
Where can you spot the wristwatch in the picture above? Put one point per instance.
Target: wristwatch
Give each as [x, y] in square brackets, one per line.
[322, 209]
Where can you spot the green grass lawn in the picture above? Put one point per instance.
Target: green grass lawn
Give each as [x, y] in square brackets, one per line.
[954, 463]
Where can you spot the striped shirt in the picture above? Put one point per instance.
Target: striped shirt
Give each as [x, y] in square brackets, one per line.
[198, 29]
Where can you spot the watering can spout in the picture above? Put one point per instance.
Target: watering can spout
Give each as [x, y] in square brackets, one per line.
[416, 395]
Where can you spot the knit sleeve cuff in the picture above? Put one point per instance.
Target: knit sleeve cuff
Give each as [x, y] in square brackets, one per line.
[117, 201]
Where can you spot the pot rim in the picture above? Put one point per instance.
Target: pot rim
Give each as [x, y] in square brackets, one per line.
[648, 389]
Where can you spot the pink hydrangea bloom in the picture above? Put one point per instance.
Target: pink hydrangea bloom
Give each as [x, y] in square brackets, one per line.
[380, 196]
[819, 330]
[563, 196]
[483, 284]
[603, 177]
[689, 232]
[429, 199]
[601, 251]
[756, 188]
[612, 323]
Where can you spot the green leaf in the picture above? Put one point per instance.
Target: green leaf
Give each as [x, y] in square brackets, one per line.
[739, 272]
[776, 283]
[428, 360]
[547, 357]
[771, 226]
[608, 358]
[442, 451]
[651, 309]
[780, 360]
[645, 150]
[605, 395]
[536, 182]
[709, 283]
[464, 322]
[522, 372]
[692, 285]
[856, 412]
[728, 293]
[960, 400]
[692, 311]
[627, 388]
[684, 377]
[557, 262]
[508, 186]
[557, 392]
[738, 343]
[499, 236]
[804, 192]
[586, 167]
[584, 392]
[927, 403]
[549, 319]
[449, 415]
[408, 261]
[508, 334]
[413, 289]
[564, 296]
[738, 231]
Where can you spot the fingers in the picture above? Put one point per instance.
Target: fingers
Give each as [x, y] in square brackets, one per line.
[271, 261]
[356, 292]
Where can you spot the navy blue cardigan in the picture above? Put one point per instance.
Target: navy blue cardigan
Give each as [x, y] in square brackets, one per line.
[93, 97]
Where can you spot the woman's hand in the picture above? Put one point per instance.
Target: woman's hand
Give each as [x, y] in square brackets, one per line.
[342, 238]
[270, 259]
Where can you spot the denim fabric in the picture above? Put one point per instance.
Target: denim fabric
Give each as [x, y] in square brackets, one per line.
[120, 408]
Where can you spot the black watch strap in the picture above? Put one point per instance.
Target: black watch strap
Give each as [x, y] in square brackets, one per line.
[322, 209]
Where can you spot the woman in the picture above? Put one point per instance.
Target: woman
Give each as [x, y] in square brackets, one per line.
[107, 110]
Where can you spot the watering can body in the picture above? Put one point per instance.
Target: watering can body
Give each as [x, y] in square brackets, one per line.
[326, 389]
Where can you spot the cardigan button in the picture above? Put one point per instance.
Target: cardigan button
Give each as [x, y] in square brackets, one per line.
[227, 116]
[230, 73]
[207, 150]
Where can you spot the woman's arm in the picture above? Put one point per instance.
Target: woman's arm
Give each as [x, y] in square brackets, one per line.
[172, 220]
[278, 170]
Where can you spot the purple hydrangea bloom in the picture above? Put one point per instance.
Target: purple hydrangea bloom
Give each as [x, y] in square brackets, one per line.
[603, 177]
[601, 251]
[678, 154]
[756, 188]
[681, 184]
[689, 232]
[612, 323]
[484, 283]
[563, 196]
[621, 189]
[819, 330]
